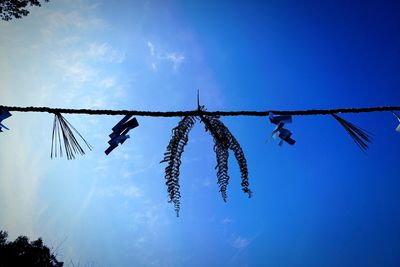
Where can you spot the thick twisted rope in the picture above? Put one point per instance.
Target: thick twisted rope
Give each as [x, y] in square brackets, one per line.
[199, 112]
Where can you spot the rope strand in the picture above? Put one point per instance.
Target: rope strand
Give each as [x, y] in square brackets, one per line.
[199, 112]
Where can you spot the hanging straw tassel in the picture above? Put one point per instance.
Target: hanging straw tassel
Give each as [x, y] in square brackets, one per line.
[360, 137]
[63, 136]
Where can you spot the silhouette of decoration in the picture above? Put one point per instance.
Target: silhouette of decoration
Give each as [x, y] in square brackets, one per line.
[4, 114]
[180, 137]
[223, 141]
[120, 130]
[360, 137]
[398, 118]
[63, 135]
[279, 131]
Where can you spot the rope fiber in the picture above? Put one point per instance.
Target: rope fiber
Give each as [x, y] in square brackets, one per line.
[199, 112]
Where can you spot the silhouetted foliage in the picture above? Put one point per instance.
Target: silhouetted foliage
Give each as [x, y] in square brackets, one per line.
[22, 253]
[10, 9]
[223, 142]
[180, 137]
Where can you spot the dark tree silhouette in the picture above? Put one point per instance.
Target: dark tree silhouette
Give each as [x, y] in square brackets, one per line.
[10, 9]
[21, 252]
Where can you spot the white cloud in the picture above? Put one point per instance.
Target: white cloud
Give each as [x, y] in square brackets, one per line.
[158, 57]
[152, 216]
[175, 58]
[61, 27]
[95, 102]
[79, 72]
[128, 174]
[227, 220]
[151, 47]
[105, 52]
[107, 82]
[87, 77]
[63, 20]
[129, 191]
[240, 242]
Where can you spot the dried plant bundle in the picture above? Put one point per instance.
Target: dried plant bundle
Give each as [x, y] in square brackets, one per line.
[63, 135]
[223, 141]
[360, 137]
[175, 148]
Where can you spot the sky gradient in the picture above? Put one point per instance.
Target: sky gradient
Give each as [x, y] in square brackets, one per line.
[321, 202]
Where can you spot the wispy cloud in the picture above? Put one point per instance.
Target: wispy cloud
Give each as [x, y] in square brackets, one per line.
[240, 242]
[152, 49]
[75, 19]
[227, 220]
[129, 191]
[62, 28]
[89, 79]
[105, 52]
[107, 82]
[175, 58]
[158, 57]
[79, 72]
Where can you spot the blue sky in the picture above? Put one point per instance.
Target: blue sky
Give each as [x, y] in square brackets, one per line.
[321, 202]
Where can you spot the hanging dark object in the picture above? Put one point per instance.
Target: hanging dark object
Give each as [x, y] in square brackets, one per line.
[279, 131]
[120, 130]
[179, 139]
[359, 136]
[63, 135]
[223, 141]
[4, 114]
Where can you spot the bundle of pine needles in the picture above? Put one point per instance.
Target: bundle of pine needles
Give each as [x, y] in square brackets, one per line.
[360, 137]
[63, 135]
